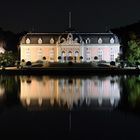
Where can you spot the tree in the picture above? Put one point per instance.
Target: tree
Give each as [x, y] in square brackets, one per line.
[95, 58]
[81, 57]
[22, 60]
[28, 63]
[59, 58]
[112, 63]
[133, 52]
[44, 58]
[8, 58]
[22, 63]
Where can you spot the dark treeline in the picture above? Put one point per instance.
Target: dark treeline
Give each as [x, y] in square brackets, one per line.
[127, 33]
[9, 40]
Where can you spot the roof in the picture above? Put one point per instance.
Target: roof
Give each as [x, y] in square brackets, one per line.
[53, 38]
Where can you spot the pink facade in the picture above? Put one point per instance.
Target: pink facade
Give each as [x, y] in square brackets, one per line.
[68, 92]
[69, 46]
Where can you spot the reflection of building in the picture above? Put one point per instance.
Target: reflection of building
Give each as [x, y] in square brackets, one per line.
[2, 91]
[69, 92]
[104, 89]
[69, 46]
[38, 89]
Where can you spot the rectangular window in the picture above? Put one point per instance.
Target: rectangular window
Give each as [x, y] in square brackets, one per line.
[28, 55]
[100, 57]
[111, 57]
[39, 54]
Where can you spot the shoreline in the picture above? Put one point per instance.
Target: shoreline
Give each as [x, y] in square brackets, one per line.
[69, 71]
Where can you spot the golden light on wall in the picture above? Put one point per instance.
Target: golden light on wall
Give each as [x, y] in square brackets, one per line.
[61, 92]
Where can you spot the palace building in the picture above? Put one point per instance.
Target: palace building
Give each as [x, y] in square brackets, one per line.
[69, 46]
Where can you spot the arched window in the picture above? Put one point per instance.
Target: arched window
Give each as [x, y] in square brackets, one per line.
[76, 53]
[87, 41]
[112, 40]
[63, 53]
[100, 41]
[70, 36]
[39, 41]
[70, 53]
[28, 41]
[51, 41]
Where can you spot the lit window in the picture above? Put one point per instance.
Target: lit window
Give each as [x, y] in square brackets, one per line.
[28, 41]
[112, 40]
[88, 58]
[70, 36]
[100, 41]
[88, 41]
[100, 54]
[63, 53]
[40, 54]
[51, 41]
[112, 57]
[51, 52]
[70, 53]
[76, 53]
[28, 55]
[39, 41]
[100, 57]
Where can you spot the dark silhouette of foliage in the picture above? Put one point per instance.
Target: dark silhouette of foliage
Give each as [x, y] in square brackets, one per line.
[95, 58]
[44, 58]
[70, 63]
[28, 63]
[112, 63]
[59, 57]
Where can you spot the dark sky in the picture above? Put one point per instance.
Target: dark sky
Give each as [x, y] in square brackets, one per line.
[52, 15]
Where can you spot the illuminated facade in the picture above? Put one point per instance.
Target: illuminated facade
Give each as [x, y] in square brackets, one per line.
[2, 46]
[69, 46]
[69, 92]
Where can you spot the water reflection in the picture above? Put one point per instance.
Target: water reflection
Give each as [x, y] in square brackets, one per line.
[98, 92]
[131, 86]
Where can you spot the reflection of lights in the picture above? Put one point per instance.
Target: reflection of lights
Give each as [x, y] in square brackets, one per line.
[52, 101]
[87, 101]
[2, 90]
[112, 101]
[100, 101]
[73, 92]
[28, 101]
[40, 101]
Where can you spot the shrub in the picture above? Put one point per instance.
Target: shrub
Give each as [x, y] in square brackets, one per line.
[112, 63]
[28, 63]
[70, 63]
[95, 58]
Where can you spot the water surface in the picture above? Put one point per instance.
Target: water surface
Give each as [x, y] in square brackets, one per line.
[77, 106]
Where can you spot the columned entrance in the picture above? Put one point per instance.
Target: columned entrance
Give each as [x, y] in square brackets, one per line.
[70, 56]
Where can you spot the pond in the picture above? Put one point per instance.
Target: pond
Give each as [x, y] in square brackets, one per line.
[104, 107]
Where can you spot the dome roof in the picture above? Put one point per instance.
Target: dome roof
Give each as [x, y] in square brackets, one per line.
[69, 35]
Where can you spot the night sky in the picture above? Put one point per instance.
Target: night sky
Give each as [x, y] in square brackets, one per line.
[52, 15]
